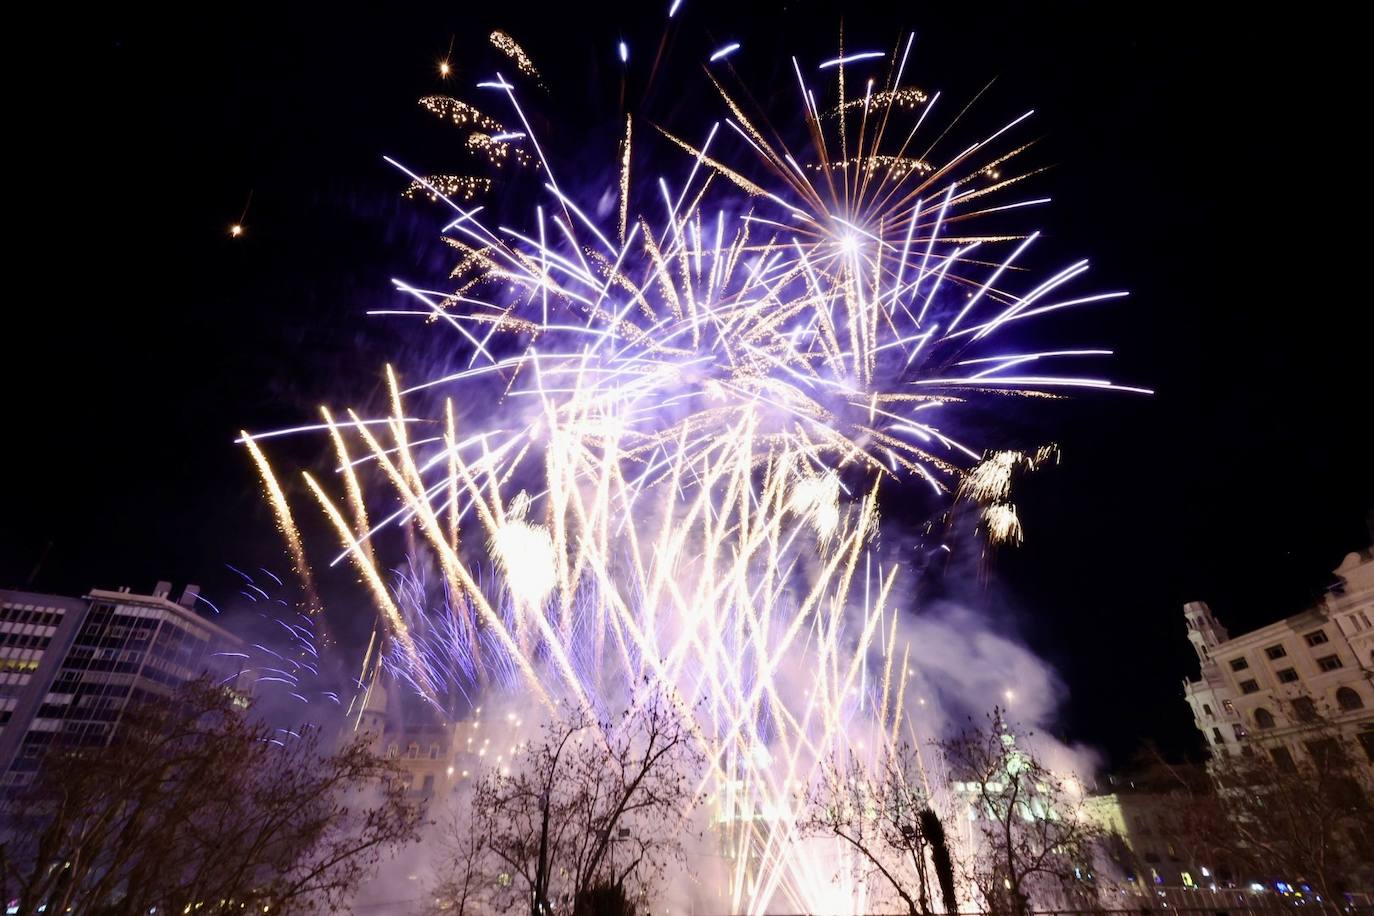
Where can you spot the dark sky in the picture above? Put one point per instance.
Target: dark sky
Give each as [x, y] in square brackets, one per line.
[1198, 159]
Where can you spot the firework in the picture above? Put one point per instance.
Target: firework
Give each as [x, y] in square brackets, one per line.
[695, 409]
[282, 653]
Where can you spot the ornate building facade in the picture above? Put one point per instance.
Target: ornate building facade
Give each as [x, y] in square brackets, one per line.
[1275, 689]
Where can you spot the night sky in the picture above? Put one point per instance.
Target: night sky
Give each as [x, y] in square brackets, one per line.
[1198, 159]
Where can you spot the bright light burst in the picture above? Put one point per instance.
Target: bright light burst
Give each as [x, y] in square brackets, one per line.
[689, 414]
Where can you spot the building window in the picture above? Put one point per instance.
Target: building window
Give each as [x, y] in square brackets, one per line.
[1348, 700]
[1367, 742]
[1329, 662]
[1216, 736]
[1283, 760]
[1287, 676]
[1207, 709]
[413, 751]
[1239, 664]
[1264, 718]
[1325, 752]
[1305, 708]
[1249, 686]
[1239, 730]
[434, 752]
[1274, 652]
[1315, 638]
[1226, 705]
[427, 786]
[393, 750]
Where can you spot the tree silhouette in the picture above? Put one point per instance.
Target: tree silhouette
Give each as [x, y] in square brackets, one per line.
[197, 806]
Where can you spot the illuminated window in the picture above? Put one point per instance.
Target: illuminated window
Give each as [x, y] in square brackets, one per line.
[1329, 662]
[1226, 704]
[1315, 638]
[1287, 676]
[1239, 664]
[1275, 652]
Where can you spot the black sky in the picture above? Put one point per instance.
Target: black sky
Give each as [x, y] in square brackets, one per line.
[1199, 158]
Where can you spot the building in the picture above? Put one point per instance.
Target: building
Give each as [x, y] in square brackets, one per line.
[1140, 813]
[437, 756]
[35, 633]
[70, 667]
[1275, 687]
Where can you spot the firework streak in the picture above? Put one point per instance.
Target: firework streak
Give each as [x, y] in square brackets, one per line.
[699, 402]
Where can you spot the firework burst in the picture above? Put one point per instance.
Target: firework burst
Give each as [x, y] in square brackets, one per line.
[694, 408]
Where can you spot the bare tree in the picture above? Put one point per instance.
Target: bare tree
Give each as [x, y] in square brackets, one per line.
[1298, 805]
[196, 805]
[588, 812]
[1180, 806]
[884, 815]
[461, 887]
[1033, 838]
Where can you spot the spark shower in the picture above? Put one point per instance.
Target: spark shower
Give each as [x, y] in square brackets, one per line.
[654, 460]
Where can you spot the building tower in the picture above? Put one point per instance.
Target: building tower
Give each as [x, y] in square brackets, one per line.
[1210, 696]
[1205, 632]
[373, 719]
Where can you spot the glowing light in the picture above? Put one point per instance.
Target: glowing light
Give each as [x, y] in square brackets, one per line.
[508, 46]
[850, 58]
[236, 230]
[444, 69]
[726, 51]
[624, 52]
